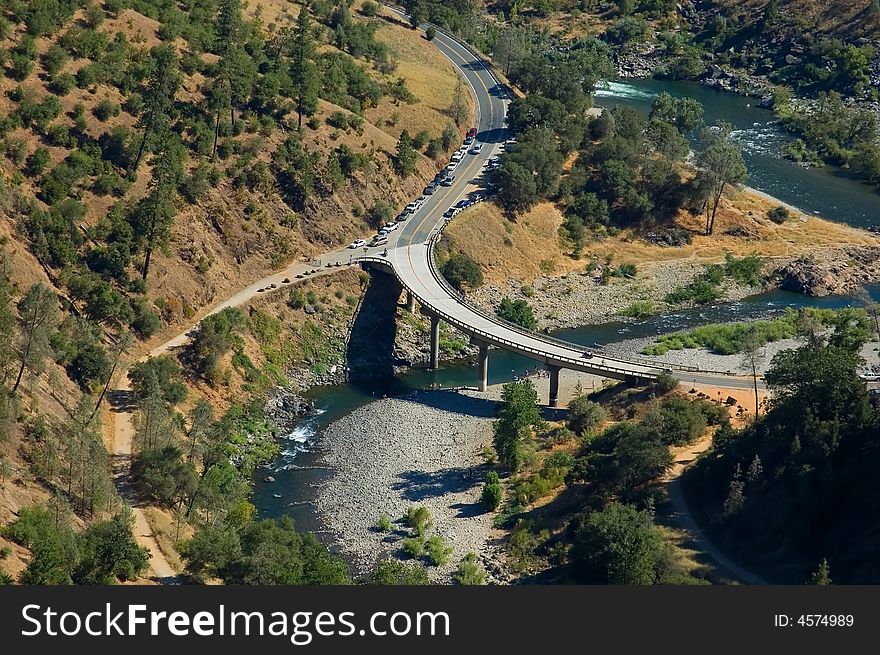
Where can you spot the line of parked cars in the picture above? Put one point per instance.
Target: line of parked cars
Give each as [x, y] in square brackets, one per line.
[443, 178]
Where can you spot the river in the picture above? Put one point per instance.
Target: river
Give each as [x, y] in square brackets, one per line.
[297, 470]
[825, 191]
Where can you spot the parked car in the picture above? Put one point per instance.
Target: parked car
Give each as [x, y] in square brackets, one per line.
[457, 157]
[430, 189]
[468, 141]
[391, 226]
[472, 132]
[402, 216]
[476, 149]
[411, 207]
[379, 240]
[464, 202]
[449, 180]
[449, 213]
[360, 243]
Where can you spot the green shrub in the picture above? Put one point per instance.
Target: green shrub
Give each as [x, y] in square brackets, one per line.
[584, 415]
[518, 312]
[418, 519]
[664, 383]
[462, 272]
[639, 309]
[492, 492]
[469, 571]
[105, 109]
[437, 550]
[413, 547]
[383, 524]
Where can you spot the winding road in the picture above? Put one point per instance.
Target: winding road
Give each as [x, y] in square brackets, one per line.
[409, 257]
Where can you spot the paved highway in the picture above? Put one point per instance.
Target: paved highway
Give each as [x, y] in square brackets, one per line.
[410, 250]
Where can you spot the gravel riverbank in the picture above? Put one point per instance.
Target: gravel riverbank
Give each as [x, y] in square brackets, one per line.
[707, 361]
[424, 449]
[579, 299]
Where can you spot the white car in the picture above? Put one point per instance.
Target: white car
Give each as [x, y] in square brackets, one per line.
[379, 240]
[457, 157]
[390, 226]
[360, 243]
[476, 149]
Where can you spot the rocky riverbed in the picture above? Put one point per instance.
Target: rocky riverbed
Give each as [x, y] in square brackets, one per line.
[708, 361]
[580, 299]
[424, 449]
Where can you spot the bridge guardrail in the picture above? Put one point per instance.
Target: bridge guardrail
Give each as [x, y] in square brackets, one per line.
[495, 339]
[488, 67]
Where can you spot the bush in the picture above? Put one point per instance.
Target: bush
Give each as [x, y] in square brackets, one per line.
[437, 550]
[62, 84]
[380, 213]
[37, 161]
[370, 9]
[492, 492]
[413, 547]
[431, 33]
[639, 309]
[461, 271]
[392, 572]
[105, 109]
[779, 215]
[418, 519]
[584, 415]
[469, 571]
[518, 312]
[383, 524]
[664, 383]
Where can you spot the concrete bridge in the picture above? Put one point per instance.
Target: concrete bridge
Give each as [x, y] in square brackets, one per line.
[410, 259]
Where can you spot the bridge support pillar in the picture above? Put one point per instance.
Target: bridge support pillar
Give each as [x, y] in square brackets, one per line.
[435, 341]
[554, 385]
[484, 366]
[410, 302]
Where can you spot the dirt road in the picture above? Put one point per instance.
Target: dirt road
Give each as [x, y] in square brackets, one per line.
[122, 402]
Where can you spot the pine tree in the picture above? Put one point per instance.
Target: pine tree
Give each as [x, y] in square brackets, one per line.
[159, 96]
[234, 80]
[38, 314]
[756, 470]
[459, 110]
[7, 320]
[119, 347]
[735, 495]
[152, 218]
[823, 575]
[407, 155]
[303, 71]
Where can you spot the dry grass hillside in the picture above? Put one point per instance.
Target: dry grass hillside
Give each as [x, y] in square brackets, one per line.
[243, 225]
[521, 250]
[235, 235]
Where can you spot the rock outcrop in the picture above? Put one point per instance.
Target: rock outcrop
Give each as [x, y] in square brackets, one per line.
[843, 274]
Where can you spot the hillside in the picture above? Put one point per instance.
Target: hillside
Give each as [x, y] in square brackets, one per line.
[153, 165]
